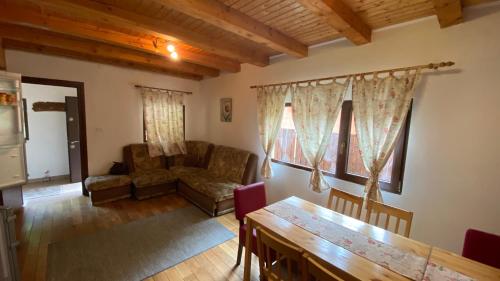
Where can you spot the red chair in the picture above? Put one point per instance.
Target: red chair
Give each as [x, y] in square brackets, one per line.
[246, 200]
[482, 247]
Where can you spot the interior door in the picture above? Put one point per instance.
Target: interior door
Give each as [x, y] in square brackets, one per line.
[73, 131]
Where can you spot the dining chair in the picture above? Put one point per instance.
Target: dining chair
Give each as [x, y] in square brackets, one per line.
[338, 202]
[482, 247]
[377, 208]
[278, 259]
[246, 200]
[317, 272]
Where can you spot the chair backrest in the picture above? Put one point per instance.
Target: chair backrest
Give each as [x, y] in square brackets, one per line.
[377, 208]
[248, 199]
[279, 260]
[317, 272]
[482, 247]
[339, 200]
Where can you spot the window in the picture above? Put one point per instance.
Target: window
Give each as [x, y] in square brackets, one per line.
[342, 158]
[144, 131]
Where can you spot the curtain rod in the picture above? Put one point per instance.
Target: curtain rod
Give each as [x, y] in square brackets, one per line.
[162, 89]
[434, 66]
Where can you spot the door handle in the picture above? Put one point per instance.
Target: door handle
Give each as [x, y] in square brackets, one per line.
[72, 142]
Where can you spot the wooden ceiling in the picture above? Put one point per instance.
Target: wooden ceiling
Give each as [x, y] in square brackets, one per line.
[209, 35]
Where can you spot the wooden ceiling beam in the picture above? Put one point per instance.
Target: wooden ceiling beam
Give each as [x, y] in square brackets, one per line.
[342, 18]
[165, 28]
[3, 61]
[54, 51]
[232, 20]
[50, 39]
[449, 12]
[21, 12]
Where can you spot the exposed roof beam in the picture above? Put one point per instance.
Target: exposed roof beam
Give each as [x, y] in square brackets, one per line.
[342, 18]
[449, 12]
[229, 19]
[49, 39]
[3, 62]
[165, 28]
[20, 12]
[53, 51]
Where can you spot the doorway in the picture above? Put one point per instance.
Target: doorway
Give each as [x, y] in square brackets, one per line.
[61, 143]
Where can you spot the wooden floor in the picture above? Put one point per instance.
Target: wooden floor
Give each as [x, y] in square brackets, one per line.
[50, 219]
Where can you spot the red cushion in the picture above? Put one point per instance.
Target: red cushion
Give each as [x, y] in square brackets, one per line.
[482, 247]
[248, 199]
[243, 236]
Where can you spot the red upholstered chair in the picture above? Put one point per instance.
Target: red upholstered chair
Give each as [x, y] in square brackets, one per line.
[482, 247]
[246, 200]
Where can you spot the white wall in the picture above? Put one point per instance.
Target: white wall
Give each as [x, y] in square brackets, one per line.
[46, 149]
[453, 158]
[113, 105]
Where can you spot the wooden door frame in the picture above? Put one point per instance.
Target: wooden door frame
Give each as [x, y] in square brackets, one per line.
[80, 93]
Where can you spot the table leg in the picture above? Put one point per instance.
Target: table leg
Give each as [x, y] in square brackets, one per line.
[248, 251]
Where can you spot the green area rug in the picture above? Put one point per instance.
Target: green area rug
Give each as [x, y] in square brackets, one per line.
[136, 250]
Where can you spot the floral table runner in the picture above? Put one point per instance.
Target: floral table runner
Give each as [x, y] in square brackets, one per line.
[400, 261]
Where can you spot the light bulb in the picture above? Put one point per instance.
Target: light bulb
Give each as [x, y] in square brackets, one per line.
[174, 55]
[171, 48]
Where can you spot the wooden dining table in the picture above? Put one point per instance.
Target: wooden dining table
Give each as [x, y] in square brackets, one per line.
[355, 267]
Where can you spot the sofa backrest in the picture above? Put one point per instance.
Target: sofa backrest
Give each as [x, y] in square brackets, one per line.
[138, 159]
[197, 155]
[233, 164]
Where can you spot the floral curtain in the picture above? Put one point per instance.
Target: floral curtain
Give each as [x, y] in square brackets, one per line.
[270, 103]
[315, 109]
[164, 122]
[380, 107]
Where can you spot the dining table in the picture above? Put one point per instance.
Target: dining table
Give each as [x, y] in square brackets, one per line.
[358, 250]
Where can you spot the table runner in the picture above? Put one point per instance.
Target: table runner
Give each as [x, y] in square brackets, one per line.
[400, 261]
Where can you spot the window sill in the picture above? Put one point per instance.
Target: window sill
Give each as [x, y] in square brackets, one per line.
[384, 186]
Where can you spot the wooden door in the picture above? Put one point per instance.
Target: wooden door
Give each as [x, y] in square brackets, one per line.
[73, 131]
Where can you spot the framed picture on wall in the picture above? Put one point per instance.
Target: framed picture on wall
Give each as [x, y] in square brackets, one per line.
[226, 110]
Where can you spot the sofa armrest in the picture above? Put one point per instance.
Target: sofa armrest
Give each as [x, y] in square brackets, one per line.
[250, 174]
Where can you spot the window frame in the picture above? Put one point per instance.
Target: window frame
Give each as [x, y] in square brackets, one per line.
[400, 150]
[144, 134]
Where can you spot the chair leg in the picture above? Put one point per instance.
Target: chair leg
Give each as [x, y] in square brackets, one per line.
[240, 250]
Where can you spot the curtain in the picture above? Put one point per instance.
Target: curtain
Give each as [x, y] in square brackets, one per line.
[270, 104]
[380, 107]
[164, 122]
[315, 109]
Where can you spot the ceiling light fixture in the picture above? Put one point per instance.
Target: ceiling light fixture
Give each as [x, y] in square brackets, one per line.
[171, 48]
[174, 55]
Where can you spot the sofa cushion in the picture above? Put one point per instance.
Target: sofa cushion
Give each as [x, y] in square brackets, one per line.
[94, 183]
[228, 163]
[196, 156]
[179, 171]
[141, 159]
[149, 178]
[216, 188]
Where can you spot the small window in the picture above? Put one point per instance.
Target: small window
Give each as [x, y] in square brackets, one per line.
[342, 158]
[145, 132]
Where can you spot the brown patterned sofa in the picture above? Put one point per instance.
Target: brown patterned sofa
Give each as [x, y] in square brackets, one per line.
[206, 175]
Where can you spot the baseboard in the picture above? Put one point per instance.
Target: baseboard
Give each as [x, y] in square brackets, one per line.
[48, 179]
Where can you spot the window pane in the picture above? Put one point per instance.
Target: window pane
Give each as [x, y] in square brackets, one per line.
[355, 164]
[287, 148]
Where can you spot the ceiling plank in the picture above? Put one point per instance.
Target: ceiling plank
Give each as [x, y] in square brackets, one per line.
[342, 18]
[232, 20]
[165, 28]
[54, 51]
[449, 12]
[3, 61]
[20, 12]
[50, 39]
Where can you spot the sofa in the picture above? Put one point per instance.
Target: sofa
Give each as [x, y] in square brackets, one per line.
[206, 175]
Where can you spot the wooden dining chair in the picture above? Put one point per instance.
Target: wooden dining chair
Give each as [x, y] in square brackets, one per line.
[317, 272]
[279, 260]
[338, 202]
[377, 208]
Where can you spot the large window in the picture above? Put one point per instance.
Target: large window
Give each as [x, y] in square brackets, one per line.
[342, 158]
[145, 131]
